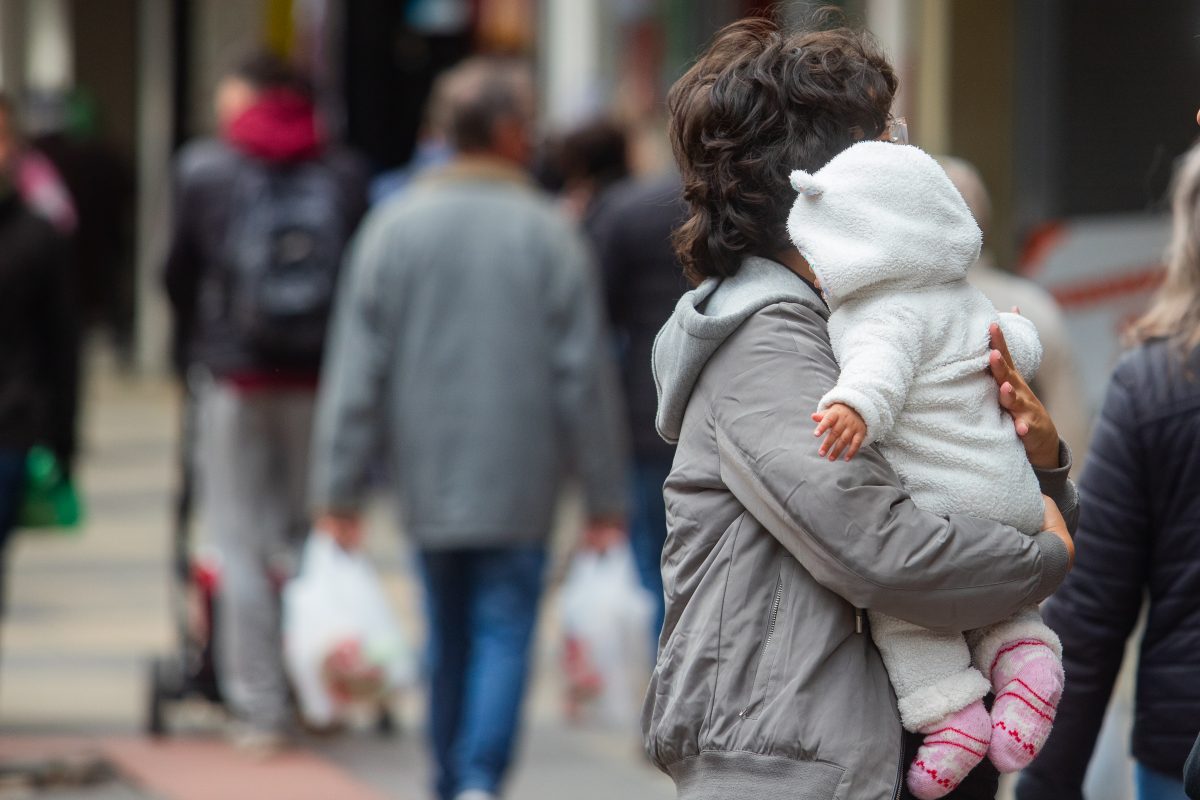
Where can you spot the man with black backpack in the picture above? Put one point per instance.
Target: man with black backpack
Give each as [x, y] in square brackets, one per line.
[262, 215]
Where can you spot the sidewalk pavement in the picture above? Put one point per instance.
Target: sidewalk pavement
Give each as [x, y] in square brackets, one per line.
[87, 613]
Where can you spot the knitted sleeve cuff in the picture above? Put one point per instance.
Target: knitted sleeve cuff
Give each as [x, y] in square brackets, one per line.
[1055, 562]
[1057, 485]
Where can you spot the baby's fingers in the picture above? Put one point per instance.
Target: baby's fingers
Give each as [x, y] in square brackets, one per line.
[844, 438]
[823, 421]
[855, 444]
[839, 444]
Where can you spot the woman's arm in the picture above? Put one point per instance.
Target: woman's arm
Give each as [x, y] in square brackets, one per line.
[851, 524]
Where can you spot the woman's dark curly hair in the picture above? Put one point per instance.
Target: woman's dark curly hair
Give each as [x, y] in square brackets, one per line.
[759, 103]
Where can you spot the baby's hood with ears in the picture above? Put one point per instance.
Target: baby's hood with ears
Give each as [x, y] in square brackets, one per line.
[881, 215]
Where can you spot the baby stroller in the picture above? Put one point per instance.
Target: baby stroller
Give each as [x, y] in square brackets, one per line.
[190, 674]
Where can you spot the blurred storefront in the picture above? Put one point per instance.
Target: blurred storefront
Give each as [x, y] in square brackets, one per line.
[1065, 122]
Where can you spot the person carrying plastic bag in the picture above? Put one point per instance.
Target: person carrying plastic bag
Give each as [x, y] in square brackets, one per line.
[342, 645]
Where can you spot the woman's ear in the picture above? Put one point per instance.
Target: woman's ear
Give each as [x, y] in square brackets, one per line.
[806, 184]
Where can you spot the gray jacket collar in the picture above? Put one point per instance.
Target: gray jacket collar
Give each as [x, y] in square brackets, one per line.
[705, 317]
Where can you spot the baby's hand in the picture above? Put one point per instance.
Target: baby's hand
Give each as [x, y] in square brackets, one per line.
[846, 430]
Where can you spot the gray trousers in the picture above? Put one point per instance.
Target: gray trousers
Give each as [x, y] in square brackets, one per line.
[254, 453]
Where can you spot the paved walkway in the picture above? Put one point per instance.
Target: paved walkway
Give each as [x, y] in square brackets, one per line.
[88, 612]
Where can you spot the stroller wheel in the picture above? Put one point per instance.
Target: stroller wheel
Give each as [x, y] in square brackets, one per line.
[157, 695]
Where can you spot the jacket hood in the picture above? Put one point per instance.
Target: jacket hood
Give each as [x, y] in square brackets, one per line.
[881, 214]
[281, 127]
[708, 315]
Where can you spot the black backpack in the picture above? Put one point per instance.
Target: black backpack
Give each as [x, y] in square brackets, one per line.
[286, 234]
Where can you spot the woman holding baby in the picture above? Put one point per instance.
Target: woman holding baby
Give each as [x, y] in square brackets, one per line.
[788, 555]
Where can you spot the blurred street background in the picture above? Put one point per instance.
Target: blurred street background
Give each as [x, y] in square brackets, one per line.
[1074, 144]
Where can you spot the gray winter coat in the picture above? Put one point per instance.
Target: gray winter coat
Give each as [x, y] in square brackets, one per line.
[766, 685]
[469, 340]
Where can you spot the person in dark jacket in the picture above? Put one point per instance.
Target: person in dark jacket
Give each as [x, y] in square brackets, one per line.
[261, 216]
[38, 344]
[1138, 534]
[631, 229]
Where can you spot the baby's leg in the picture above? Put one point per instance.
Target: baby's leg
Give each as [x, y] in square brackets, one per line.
[1022, 658]
[940, 695]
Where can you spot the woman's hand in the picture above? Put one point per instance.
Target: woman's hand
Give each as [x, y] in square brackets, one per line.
[1053, 522]
[1034, 426]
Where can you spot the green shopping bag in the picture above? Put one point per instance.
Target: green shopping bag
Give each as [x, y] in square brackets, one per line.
[50, 499]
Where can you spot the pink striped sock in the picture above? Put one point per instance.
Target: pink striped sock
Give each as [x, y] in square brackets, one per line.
[1028, 680]
[952, 748]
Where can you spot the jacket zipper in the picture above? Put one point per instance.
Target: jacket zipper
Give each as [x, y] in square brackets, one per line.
[770, 633]
[858, 620]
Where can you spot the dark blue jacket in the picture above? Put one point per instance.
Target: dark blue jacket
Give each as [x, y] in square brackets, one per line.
[1139, 536]
[631, 228]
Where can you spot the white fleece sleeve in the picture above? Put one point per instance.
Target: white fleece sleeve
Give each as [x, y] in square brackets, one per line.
[879, 348]
[1023, 343]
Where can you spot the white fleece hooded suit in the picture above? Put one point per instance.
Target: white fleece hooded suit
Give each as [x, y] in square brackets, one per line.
[890, 239]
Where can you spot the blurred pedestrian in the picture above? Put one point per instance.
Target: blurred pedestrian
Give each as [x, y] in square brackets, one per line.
[100, 179]
[1057, 383]
[631, 228]
[38, 339]
[590, 159]
[1138, 535]
[470, 335]
[262, 214]
[432, 151]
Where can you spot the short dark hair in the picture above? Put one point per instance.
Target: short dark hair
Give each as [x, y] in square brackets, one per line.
[479, 93]
[265, 71]
[596, 151]
[759, 103]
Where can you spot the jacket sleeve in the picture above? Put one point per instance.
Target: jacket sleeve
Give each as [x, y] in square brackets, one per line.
[1096, 609]
[587, 392]
[60, 340]
[184, 262]
[349, 415]
[879, 355]
[850, 524]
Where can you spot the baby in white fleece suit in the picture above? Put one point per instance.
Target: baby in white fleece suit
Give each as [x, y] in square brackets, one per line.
[890, 240]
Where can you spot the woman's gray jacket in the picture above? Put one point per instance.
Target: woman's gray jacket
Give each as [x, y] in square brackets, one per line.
[766, 685]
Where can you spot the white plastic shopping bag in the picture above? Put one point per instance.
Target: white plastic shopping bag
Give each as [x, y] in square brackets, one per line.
[606, 615]
[342, 645]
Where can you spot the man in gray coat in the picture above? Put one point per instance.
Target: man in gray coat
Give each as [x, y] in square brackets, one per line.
[469, 338]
